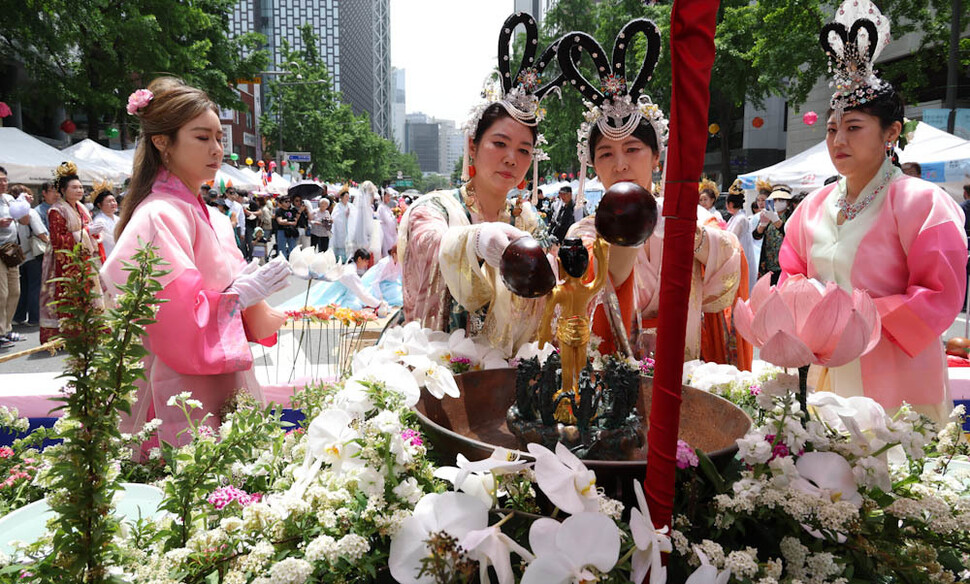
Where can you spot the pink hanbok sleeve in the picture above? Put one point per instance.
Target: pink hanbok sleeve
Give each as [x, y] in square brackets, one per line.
[793, 255]
[199, 331]
[935, 246]
[423, 288]
[722, 272]
[199, 328]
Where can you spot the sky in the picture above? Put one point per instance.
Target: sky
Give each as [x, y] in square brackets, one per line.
[447, 48]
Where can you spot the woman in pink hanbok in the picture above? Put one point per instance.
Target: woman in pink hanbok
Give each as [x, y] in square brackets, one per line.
[214, 300]
[899, 238]
[450, 243]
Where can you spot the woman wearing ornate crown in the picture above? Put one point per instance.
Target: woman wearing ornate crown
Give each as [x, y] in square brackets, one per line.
[214, 300]
[623, 139]
[69, 224]
[899, 238]
[445, 236]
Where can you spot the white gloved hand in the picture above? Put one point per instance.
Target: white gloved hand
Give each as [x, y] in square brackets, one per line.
[492, 239]
[76, 235]
[95, 228]
[253, 285]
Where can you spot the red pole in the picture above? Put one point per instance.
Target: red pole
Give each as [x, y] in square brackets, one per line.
[692, 25]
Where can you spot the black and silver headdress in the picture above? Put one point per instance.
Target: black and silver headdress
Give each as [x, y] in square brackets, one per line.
[614, 105]
[520, 95]
[852, 42]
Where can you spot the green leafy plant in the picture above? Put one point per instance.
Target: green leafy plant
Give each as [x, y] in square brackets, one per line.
[105, 362]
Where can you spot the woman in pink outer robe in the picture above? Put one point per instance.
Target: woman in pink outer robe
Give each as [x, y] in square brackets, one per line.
[905, 247]
[200, 340]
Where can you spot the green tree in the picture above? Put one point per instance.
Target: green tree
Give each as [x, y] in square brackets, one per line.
[764, 48]
[315, 120]
[91, 54]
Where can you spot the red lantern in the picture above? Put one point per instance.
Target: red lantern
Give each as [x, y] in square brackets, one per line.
[810, 118]
[571, 176]
[758, 122]
[68, 127]
[261, 164]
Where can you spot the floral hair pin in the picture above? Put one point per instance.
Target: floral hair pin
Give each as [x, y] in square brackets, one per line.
[138, 100]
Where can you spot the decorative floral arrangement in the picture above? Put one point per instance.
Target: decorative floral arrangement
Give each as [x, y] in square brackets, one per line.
[844, 493]
[331, 312]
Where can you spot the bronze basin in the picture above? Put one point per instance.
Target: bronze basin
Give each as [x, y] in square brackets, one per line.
[474, 424]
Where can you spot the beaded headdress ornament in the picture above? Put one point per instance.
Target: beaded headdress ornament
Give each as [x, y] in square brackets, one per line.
[852, 42]
[522, 94]
[614, 105]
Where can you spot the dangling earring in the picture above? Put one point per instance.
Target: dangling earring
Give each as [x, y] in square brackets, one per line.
[521, 185]
[889, 149]
[471, 171]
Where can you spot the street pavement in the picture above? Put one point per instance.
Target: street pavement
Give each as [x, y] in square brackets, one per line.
[44, 362]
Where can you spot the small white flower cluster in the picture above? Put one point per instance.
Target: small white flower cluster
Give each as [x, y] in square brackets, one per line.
[808, 567]
[10, 418]
[185, 399]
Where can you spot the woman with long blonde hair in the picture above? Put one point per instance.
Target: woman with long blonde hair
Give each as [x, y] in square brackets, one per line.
[214, 300]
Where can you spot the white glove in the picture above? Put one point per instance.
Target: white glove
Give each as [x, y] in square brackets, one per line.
[255, 284]
[492, 239]
[95, 228]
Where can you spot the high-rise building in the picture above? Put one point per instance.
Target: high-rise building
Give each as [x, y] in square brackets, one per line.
[398, 102]
[537, 8]
[366, 49]
[353, 39]
[423, 140]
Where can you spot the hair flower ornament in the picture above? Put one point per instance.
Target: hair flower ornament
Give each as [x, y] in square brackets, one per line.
[138, 100]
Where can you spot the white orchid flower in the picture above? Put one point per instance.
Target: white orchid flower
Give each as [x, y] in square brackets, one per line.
[530, 350]
[410, 339]
[861, 417]
[438, 380]
[566, 552]
[331, 438]
[457, 514]
[368, 356]
[827, 475]
[478, 478]
[457, 345]
[394, 376]
[501, 461]
[706, 573]
[481, 486]
[491, 546]
[565, 479]
[491, 358]
[649, 540]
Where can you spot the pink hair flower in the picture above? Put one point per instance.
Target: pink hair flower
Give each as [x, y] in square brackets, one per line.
[138, 100]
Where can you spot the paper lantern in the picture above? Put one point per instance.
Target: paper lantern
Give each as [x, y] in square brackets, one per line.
[261, 164]
[112, 132]
[68, 127]
[272, 164]
[302, 171]
[758, 122]
[249, 161]
[810, 118]
[571, 176]
[5, 110]
[713, 129]
[233, 156]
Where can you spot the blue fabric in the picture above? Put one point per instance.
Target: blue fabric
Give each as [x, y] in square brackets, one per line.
[325, 293]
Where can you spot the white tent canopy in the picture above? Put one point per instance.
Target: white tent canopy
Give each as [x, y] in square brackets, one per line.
[945, 160]
[28, 160]
[229, 175]
[88, 152]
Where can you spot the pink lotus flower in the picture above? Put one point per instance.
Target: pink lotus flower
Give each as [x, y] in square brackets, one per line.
[802, 321]
[138, 100]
